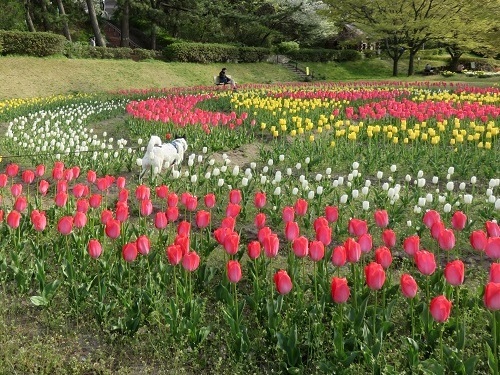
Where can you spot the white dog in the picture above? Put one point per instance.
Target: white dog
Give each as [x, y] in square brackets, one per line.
[159, 155]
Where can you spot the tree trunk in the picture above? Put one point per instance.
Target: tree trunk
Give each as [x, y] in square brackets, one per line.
[411, 62]
[395, 61]
[45, 15]
[153, 36]
[99, 40]
[29, 20]
[64, 18]
[455, 55]
[125, 25]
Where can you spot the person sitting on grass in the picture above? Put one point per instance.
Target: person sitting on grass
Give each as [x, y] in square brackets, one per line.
[223, 79]
[428, 68]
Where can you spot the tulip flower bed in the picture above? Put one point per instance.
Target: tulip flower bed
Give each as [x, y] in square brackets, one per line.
[361, 235]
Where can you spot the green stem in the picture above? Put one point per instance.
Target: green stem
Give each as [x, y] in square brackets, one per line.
[495, 342]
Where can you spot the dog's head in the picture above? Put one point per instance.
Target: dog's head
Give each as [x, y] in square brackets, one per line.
[182, 141]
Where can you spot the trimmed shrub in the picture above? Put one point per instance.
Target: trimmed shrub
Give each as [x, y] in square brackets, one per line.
[348, 55]
[145, 54]
[253, 54]
[285, 48]
[31, 44]
[201, 52]
[314, 54]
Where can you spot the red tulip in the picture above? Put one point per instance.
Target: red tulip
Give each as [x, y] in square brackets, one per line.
[162, 191]
[436, 229]
[446, 239]
[431, 217]
[389, 238]
[80, 219]
[263, 233]
[260, 220]
[129, 252]
[339, 256]
[353, 250]
[28, 176]
[494, 273]
[190, 261]
[184, 228]
[365, 242]
[13, 219]
[375, 276]
[300, 207]
[16, 190]
[235, 196]
[121, 212]
[65, 225]
[12, 170]
[120, 182]
[320, 222]
[142, 192]
[61, 199]
[458, 220]
[123, 195]
[493, 248]
[221, 233]
[271, 245]
[492, 229]
[102, 183]
[228, 222]
[174, 254]
[68, 174]
[209, 200]
[112, 228]
[191, 203]
[79, 190]
[282, 282]
[95, 200]
[172, 200]
[183, 242]
[253, 249]
[440, 309]
[291, 230]
[357, 227]
[146, 207]
[259, 200]
[232, 243]
[82, 205]
[324, 234]
[478, 240]
[408, 285]
[40, 170]
[94, 249]
[300, 246]
[43, 187]
[381, 218]
[411, 245]
[76, 171]
[39, 220]
[20, 204]
[233, 271]
[62, 186]
[3, 180]
[91, 176]
[106, 215]
[425, 262]
[383, 257]
[316, 250]
[143, 244]
[184, 197]
[172, 213]
[288, 214]
[233, 210]
[202, 219]
[1, 215]
[331, 213]
[340, 290]
[492, 296]
[454, 272]
[58, 170]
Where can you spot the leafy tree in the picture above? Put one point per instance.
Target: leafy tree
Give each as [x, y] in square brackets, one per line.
[12, 16]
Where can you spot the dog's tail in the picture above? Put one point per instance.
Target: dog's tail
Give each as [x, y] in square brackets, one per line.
[154, 141]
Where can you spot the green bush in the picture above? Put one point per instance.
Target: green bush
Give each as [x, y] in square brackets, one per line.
[31, 44]
[145, 54]
[348, 55]
[314, 54]
[1, 47]
[369, 53]
[201, 52]
[285, 48]
[252, 54]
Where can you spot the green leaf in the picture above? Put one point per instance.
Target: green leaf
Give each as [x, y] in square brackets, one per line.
[432, 367]
[222, 294]
[461, 336]
[470, 365]
[492, 361]
[39, 301]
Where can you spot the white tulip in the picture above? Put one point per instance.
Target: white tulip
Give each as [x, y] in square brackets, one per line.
[447, 208]
[343, 199]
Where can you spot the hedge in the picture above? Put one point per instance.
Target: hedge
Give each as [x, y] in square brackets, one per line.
[80, 50]
[213, 53]
[348, 55]
[314, 54]
[31, 44]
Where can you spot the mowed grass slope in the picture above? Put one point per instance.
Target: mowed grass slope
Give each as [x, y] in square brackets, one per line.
[24, 77]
